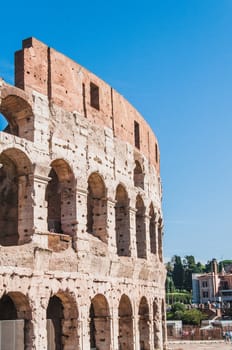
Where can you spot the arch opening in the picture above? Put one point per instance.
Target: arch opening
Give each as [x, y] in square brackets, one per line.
[16, 209]
[62, 323]
[15, 321]
[144, 321]
[97, 207]
[140, 228]
[122, 222]
[99, 323]
[61, 199]
[125, 316]
[18, 113]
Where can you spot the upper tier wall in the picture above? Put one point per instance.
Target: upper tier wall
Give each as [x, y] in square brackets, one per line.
[68, 85]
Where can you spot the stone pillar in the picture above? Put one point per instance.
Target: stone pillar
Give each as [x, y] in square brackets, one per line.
[160, 240]
[132, 218]
[114, 328]
[69, 209]
[157, 329]
[136, 330]
[85, 329]
[39, 322]
[25, 209]
[156, 235]
[42, 136]
[39, 202]
[111, 225]
[81, 216]
[147, 233]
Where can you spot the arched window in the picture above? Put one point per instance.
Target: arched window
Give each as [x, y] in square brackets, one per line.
[16, 207]
[61, 198]
[62, 318]
[15, 321]
[17, 111]
[99, 314]
[125, 319]
[140, 228]
[138, 175]
[97, 207]
[144, 321]
[122, 222]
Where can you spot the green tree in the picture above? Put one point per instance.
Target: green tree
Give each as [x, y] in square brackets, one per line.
[193, 317]
[178, 272]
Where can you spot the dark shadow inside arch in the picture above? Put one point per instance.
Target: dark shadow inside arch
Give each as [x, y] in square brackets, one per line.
[144, 331]
[55, 314]
[99, 327]
[15, 321]
[62, 322]
[125, 324]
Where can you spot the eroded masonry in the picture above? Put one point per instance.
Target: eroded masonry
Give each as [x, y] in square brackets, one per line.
[80, 213]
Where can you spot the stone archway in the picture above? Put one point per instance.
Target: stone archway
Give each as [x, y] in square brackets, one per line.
[17, 110]
[140, 228]
[99, 315]
[156, 324]
[144, 325]
[16, 207]
[122, 222]
[62, 322]
[15, 322]
[125, 317]
[97, 207]
[61, 198]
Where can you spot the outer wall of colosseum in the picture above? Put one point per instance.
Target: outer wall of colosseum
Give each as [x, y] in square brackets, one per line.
[80, 213]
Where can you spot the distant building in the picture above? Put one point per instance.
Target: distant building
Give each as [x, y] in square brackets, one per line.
[213, 287]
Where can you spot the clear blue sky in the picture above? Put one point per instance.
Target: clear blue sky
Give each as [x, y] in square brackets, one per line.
[172, 59]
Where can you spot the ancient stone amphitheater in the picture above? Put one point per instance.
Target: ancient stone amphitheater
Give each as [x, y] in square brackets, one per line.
[80, 213]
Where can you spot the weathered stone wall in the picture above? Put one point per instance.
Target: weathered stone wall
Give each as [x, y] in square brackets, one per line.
[86, 217]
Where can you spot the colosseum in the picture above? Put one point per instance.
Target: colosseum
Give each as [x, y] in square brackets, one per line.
[80, 213]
